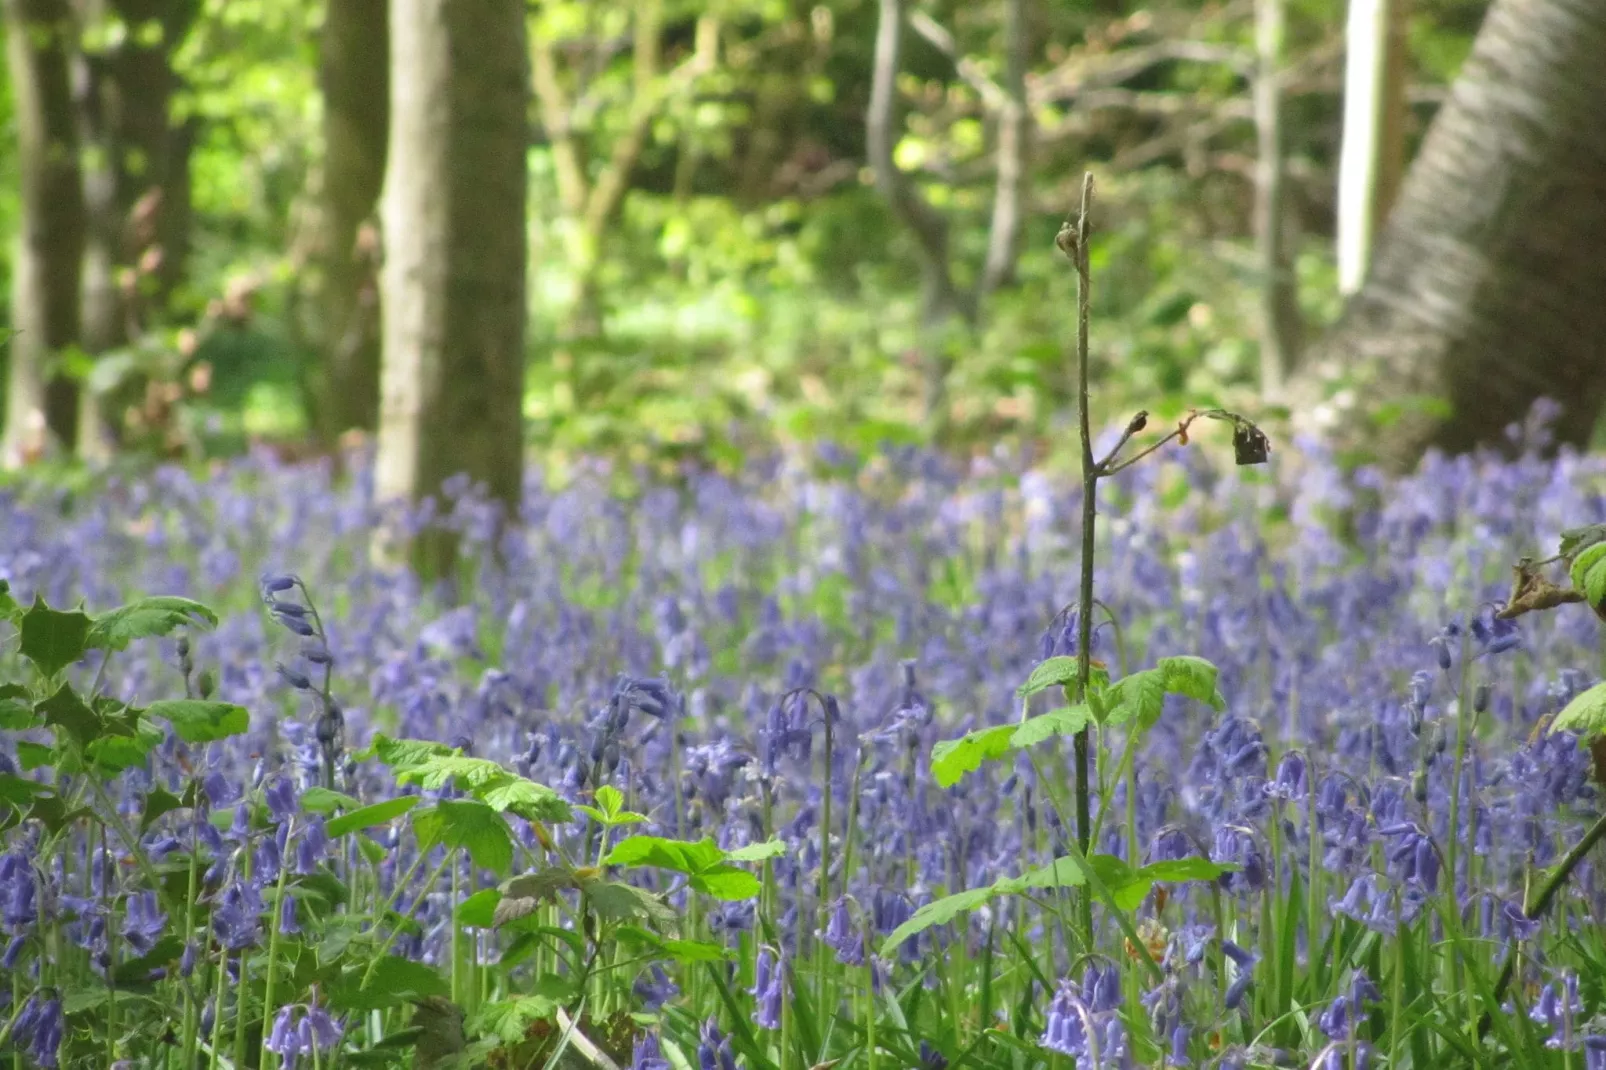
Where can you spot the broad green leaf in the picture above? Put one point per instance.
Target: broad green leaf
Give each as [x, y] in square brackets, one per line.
[478, 911]
[159, 801]
[610, 799]
[1186, 869]
[10, 608]
[437, 771]
[726, 882]
[146, 617]
[31, 755]
[610, 810]
[1193, 677]
[1574, 540]
[1139, 697]
[757, 852]
[16, 709]
[1588, 573]
[65, 710]
[364, 817]
[402, 753]
[679, 950]
[1055, 672]
[1065, 721]
[682, 856]
[114, 753]
[471, 826]
[321, 800]
[509, 1020]
[953, 758]
[18, 791]
[201, 720]
[395, 981]
[938, 912]
[526, 798]
[617, 901]
[1585, 715]
[53, 639]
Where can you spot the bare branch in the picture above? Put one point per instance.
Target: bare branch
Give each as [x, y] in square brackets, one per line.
[993, 96]
[1014, 133]
[1077, 76]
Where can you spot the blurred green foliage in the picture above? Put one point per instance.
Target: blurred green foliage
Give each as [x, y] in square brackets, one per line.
[753, 283]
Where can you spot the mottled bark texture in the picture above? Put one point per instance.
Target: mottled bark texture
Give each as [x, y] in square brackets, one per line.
[355, 73]
[42, 406]
[1487, 289]
[453, 215]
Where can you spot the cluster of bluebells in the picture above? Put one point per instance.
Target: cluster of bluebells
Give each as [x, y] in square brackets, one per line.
[694, 649]
[303, 1031]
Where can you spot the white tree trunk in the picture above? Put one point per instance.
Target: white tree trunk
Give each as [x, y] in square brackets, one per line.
[1372, 155]
[453, 215]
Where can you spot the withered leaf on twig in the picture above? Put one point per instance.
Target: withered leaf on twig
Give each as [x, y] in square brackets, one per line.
[1530, 591]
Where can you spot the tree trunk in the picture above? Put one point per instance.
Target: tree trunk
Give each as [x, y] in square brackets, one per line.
[1486, 291]
[1279, 298]
[1372, 158]
[356, 88]
[136, 182]
[45, 276]
[453, 213]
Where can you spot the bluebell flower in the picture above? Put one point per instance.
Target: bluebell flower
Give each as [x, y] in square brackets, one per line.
[648, 1055]
[714, 1049]
[143, 921]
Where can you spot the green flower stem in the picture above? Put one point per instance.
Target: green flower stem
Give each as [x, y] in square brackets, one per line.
[266, 1058]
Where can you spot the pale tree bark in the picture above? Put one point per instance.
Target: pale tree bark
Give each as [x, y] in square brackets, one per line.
[41, 408]
[1280, 321]
[354, 68]
[136, 178]
[453, 217]
[1486, 291]
[943, 302]
[591, 205]
[1372, 156]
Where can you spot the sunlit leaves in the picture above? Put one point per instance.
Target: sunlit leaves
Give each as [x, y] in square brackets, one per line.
[144, 618]
[434, 766]
[707, 868]
[953, 758]
[468, 825]
[200, 720]
[1588, 573]
[378, 813]
[1585, 715]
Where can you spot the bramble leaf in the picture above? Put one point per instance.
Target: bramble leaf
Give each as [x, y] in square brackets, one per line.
[53, 639]
[953, 758]
[201, 720]
[1585, 715]
[471, 826]
[1065, 721]
[1588, 573]
[144, 618]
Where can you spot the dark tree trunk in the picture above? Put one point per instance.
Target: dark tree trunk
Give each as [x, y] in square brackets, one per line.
[455, 256]
[49, 256]
[1486, 292]
[356, 95]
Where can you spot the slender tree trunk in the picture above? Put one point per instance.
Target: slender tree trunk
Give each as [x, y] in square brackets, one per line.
[1013, 157]
[1372, 158]
[49, 255]
[453, 213]
[356, 93]
[1487, 289]
[1279, 300]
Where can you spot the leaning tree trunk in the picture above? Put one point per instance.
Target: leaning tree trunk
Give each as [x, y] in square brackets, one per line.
[1486, 292]
[356, 108]
[453, 213]
[44, 303]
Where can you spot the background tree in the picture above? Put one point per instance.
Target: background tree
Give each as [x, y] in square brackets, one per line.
[1486, 291]
[354, 63]
[41, 403]
[1373, 154]
[453, 215]
[135, 176]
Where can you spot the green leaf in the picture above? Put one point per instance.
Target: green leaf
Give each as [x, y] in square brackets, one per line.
[610, 799]
[364, 817]
[20, 792]
[727, 882]
[1193, 677]
[510, 1019]
[757, 852]
[682, 856]
[144, 618]
[526, 798]
[953, 758]
[201, 720]
[1179, 870]
[65, 710]
[686, 951]
[16, 709]
[617, 901]
[321, 800]
[52, 639]
[1139, 697]
[439, 770]
[609, 809]
[31, 755]
[478, 911]
[1588, 573]
[1065, 721]
[471, 826]
[402, 753]
[1574, 540]
[159, 801]
[114, 753]
[395, 981]
[10, 609]
[1585, 715]
[1055, 672]
[938, 912]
